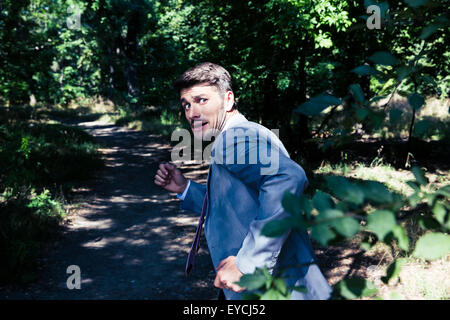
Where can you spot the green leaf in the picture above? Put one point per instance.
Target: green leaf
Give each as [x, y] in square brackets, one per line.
[345, 190]
[421, 127]
[445, 191]
[347, 226]
[273, 294]
[381, 222]
[402, 237]
[280, 285]
[364, 70]
[383, 58]
[327, 99]
[317, 104]
[251, 295]
[357, 92]
[343, 206]
[311, 108]
[252, 281]
[395, 115]
[362, 113]
[419, 175]
[268, 276]
[306, 205]
[377, 192]
[365, 246]
[432, 246]
[403, 72]
[393, 271]
[430, 198]
[276, 228]
[416, 100]
[322, 234]
[355, 288]
[396, 296]
[439, 212]
[322, 201]
[429, 30]
[291, 203]
[328, 216]
[413, 185]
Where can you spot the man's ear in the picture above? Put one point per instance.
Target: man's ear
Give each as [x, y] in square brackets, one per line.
[229, 101]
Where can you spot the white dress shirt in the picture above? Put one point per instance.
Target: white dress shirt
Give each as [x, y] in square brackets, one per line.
[233, 119]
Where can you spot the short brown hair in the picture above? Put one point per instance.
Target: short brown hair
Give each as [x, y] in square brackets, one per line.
[206, 72]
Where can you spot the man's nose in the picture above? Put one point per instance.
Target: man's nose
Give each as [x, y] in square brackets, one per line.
[194, 112]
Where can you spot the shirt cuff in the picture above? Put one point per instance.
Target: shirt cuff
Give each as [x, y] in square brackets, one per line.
[181, 196]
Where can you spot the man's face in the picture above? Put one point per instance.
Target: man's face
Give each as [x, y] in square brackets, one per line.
[205, 109]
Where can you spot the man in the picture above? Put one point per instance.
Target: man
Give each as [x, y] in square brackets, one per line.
[243, 191]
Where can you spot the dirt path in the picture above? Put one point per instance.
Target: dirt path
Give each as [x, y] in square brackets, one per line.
[128, 237]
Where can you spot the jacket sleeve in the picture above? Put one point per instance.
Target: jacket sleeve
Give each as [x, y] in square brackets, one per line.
[194, 197]
[286, 175]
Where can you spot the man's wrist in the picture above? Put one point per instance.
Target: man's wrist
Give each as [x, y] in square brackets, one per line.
[181, 195]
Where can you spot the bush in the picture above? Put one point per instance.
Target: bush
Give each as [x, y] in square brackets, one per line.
[38, 160]
[27, 220]
[45, 154]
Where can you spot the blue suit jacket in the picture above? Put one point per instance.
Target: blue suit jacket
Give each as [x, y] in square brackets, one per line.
[242, 198]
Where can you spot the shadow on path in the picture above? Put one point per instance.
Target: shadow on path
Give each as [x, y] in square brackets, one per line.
[128, 237]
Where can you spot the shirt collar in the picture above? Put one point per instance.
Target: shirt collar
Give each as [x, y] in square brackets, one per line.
[234, 120]
[231, 122]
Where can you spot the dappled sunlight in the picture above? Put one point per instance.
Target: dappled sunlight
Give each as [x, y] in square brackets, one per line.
[82, 223]
[107, 241]
[417, 281]
[126, 232]
[183, 220]
[394, 179]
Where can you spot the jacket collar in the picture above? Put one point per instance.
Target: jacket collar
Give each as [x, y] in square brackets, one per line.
[234, 121]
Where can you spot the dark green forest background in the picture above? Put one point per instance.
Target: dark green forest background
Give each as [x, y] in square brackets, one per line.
[339, 91]
[278, 52]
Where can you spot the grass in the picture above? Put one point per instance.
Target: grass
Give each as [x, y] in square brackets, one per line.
[40, 161]
[394, 179]
[418, 280]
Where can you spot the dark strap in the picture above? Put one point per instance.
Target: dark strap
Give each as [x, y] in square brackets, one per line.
[196, 244]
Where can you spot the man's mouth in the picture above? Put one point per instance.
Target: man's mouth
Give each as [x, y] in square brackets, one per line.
[198, 125]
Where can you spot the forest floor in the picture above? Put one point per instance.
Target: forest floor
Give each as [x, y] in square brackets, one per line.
[131, 240]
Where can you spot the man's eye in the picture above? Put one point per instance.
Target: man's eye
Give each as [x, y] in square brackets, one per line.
[187, 106]
[203, 100]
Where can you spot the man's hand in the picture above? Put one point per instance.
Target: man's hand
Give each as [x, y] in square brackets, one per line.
[227, 274]
[170, 178]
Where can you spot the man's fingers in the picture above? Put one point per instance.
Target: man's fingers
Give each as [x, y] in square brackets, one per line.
[236, 288]
[168, 166]
[221, 264]
[162, 174]
[163, 168]
[218, 283]
[161, 180]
